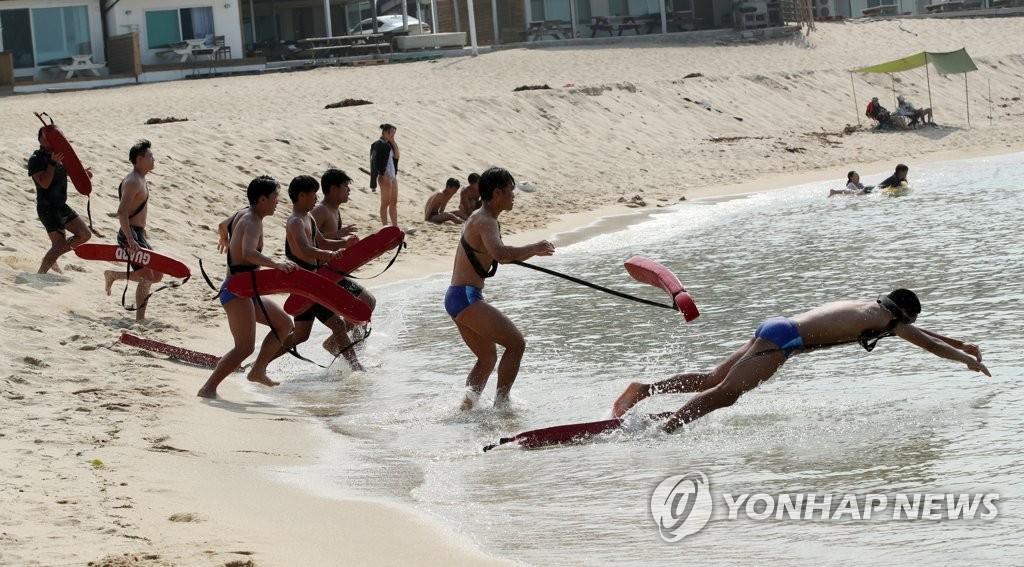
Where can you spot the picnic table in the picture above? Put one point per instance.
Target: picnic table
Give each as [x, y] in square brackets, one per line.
[881, 10]
[77, 63]
[948, 6]
[188, 49]
[341, 45]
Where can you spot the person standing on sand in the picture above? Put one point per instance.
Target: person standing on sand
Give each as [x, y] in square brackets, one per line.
[241, 236]
[778, 338]
[132, 213]
[335, 185]
[384, 171]
[481, 325]
[51, 181]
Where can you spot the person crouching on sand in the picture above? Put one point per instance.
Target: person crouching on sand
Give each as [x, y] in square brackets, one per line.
[241, 235]
[778, 338]
[481, 325]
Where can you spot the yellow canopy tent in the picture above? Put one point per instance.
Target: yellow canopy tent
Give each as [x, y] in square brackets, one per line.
[945, 64]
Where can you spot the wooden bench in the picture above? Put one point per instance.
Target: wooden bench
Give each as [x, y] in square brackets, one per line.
[629, 23]
[369, 48]
[948, 6]
[600, 24]
[431, 41]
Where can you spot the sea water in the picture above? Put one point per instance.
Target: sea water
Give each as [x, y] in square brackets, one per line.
[840, 422]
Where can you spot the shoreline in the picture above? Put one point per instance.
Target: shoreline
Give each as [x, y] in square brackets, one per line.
[570, 229]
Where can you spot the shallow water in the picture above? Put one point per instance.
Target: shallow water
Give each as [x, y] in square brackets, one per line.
[897, 420]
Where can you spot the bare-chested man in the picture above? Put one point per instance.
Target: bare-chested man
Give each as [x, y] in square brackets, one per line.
[51, 181]
[131, 215]
[434, 210]
[327, 214]
[241, 235]
[778, 338]
[309, 249]
[481, 325]
[469, 197]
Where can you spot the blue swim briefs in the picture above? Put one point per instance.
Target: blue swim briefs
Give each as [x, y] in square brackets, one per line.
[459, 297]
[782, 332]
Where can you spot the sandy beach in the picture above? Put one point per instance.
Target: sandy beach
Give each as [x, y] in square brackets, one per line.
[111, 460]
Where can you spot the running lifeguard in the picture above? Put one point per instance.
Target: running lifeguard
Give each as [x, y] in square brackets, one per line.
[778, 338]
[481, 325]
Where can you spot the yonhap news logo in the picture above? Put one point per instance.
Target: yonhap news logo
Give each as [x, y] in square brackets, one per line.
[683, 504]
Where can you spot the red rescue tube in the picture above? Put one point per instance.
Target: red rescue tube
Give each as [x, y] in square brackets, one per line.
[183, 354]
[144, 257]
[59, 144]
[353, 258]
[305, 283]
[648, 271]
[570, 433]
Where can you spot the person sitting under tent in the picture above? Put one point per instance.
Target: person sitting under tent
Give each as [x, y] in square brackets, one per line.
[878, 113]
[915, 115]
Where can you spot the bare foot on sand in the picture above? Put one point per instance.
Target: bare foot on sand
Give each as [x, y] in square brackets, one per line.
[633, 394]
[207, 393]
[108, 277]
[261, 378]
[56, 268]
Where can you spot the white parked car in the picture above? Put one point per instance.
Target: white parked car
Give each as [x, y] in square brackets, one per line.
[390, 24]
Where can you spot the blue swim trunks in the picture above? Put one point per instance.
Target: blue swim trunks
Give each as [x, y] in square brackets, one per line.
[782, 332]
[459, 297]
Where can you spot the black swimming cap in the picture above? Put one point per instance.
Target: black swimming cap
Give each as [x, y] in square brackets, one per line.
[902, 303]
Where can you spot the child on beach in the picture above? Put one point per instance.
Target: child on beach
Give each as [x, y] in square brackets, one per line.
[853, 186]
[778, 338]
[335, 185]
[308, 248]
[132, 213]
[51, 181]
[481, 325]
[241, 236]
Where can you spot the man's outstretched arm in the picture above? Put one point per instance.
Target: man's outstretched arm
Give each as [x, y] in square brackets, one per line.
[939, 346]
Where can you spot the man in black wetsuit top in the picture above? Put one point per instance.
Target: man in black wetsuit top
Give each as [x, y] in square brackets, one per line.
[51, 181]
[898, 177]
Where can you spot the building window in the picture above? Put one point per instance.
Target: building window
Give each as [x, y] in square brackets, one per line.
[17, 37]
[164, 27]
[60, 33]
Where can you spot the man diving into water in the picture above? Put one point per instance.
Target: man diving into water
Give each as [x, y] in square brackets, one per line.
[778, 338]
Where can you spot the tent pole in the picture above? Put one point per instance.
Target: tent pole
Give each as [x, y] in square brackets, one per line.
[895, 103]
[928, 79]
[990, 102]
[856, 107]
[967, 96]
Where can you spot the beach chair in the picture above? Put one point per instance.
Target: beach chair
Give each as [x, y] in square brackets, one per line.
[221, 50]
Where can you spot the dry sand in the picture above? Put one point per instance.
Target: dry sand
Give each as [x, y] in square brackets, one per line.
[107, 452]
